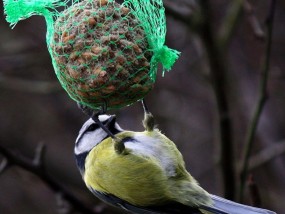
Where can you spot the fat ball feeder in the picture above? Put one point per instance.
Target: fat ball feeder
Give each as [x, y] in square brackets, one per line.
[103, 53]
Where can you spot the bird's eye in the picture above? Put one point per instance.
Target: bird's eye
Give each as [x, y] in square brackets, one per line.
[92, 127]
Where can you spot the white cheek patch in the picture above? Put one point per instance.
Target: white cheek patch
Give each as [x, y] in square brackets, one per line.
[83, 128]
[155, 148]
[89, 140]
[118, 127]
[85, 141]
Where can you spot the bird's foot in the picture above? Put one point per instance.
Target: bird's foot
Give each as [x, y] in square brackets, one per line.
[119, 146]
[148, 121]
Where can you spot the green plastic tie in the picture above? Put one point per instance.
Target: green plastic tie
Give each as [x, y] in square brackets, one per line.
[151, 14]
[166, 57]
[17, 10]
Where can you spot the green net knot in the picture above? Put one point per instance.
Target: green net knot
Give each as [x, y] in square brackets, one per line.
[166, 56]
[151, 14]
[17, 10]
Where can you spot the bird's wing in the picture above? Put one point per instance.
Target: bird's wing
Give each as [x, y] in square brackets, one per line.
[169, 208]
[236, 208]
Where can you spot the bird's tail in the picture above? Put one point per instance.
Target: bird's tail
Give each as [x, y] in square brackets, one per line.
[235, 208]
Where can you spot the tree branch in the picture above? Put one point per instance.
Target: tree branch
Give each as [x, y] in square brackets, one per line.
[39, 87]
[260, 103]
[253, 192]
[266, 155]
[36, 166]
[257, 31]
[230, 23]
[218, 77]
[4, 165]
[192, 20]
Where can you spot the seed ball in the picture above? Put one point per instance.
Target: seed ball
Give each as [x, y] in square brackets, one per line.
[101, 54]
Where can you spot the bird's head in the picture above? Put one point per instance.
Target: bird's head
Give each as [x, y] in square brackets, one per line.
[91, 134]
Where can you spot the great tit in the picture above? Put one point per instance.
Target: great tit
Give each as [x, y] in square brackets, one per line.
[143, 172]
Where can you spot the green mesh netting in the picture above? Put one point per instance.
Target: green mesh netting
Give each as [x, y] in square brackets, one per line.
[103, 53]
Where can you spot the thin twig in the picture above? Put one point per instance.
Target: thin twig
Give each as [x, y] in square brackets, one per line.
[266, 155]
[253, 21]
[232, 19]
[218, 76]
[260, 103]
[32, 86]
[230, 23]
[63, 207]
[36, 167]
[3, 165]
[253, 192]
[192, 19]
[39, 156]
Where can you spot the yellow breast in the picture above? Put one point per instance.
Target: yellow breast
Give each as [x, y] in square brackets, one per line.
[129, 177]
[136, 177]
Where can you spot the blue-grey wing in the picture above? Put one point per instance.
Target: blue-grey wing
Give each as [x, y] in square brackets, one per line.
[169, 208]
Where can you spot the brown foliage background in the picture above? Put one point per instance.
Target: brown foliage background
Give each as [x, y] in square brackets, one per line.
[34, 108]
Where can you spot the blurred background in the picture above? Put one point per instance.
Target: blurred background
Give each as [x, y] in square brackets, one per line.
[34, 109]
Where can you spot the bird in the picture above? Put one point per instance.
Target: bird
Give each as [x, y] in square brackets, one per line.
[143, 172]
